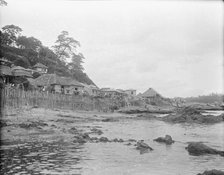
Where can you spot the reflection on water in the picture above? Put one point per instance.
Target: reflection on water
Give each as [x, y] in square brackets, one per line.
[119, 158]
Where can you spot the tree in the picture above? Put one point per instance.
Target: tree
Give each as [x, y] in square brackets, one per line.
[65, 46]
[10, 34]
[3, 3]
[29, 43]
[76, 62]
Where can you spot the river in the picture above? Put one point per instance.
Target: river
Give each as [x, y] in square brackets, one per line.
[63, 157]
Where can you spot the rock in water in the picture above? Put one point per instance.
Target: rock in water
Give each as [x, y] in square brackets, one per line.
[143, 146]
[212, 172]
[167, 140]
[79, 139]
[103, 139]
[198, 148]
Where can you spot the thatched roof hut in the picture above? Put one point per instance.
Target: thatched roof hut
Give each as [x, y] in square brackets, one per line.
[150, 93]
[39, 65]
[53, 79]
[19, 71]
[5, 70]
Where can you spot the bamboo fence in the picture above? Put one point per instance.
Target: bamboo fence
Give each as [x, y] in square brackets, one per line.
[17, 98]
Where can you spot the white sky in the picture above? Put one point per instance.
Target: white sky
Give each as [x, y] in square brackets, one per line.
[175, 47]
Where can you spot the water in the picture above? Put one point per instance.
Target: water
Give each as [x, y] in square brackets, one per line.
[63, 157]
[212, 112]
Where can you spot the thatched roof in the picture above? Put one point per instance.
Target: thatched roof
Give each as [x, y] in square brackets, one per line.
[21, 71]
[4, 61]
[150, 93]
[5, 70]
[39, 65]
[111, 90]
[91, 86]
[53, 79]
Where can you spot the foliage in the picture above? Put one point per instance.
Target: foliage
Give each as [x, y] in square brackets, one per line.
[29, 43]
[10, 34]
[3, 3]
[65, 46]
[75, 64]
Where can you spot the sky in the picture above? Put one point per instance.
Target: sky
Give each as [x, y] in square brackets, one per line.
[175, 47]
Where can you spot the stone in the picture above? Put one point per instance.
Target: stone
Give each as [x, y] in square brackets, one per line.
[79, 139]
[142, 146]
[96, 131]
[212, 172]
[131, 140]
[167, 140]
[108, 120]
[103, 139]
[198, 148]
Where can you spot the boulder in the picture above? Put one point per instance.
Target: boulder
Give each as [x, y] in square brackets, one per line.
[167, 140]
[143, 146]
[212, 172]
[128, 144]
[103, 139]
[198, 148]
[96, 131]
[109, 120]
[86, 136]
[115, 140]
[79, 139]
[120, 140]
[73, 130]
[131, 140]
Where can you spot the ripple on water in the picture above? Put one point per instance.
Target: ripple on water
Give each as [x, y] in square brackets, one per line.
[36, 158]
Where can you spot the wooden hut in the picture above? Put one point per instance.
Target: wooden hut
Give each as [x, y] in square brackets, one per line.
[19, 71]
[40, 68]
[5, 71]
[58, 84]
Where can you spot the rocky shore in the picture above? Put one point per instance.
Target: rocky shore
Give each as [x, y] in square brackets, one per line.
[148, 109]
[38, 124]
[192, 115]
[212, 172]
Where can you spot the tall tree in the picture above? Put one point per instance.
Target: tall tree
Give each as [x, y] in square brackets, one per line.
[29, 43]
[10, 34]
[76, 62]
[65, 46]
[3, 3]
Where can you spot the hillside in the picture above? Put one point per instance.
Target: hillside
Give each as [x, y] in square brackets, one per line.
[27, 51]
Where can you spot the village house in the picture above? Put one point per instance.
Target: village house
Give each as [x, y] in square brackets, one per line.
[40, 68]
[149, 94]
[131, 92]
[5, 71]
[91, 90]
[19, 71]
[111, 92]
[57, 84]
[14, 75]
